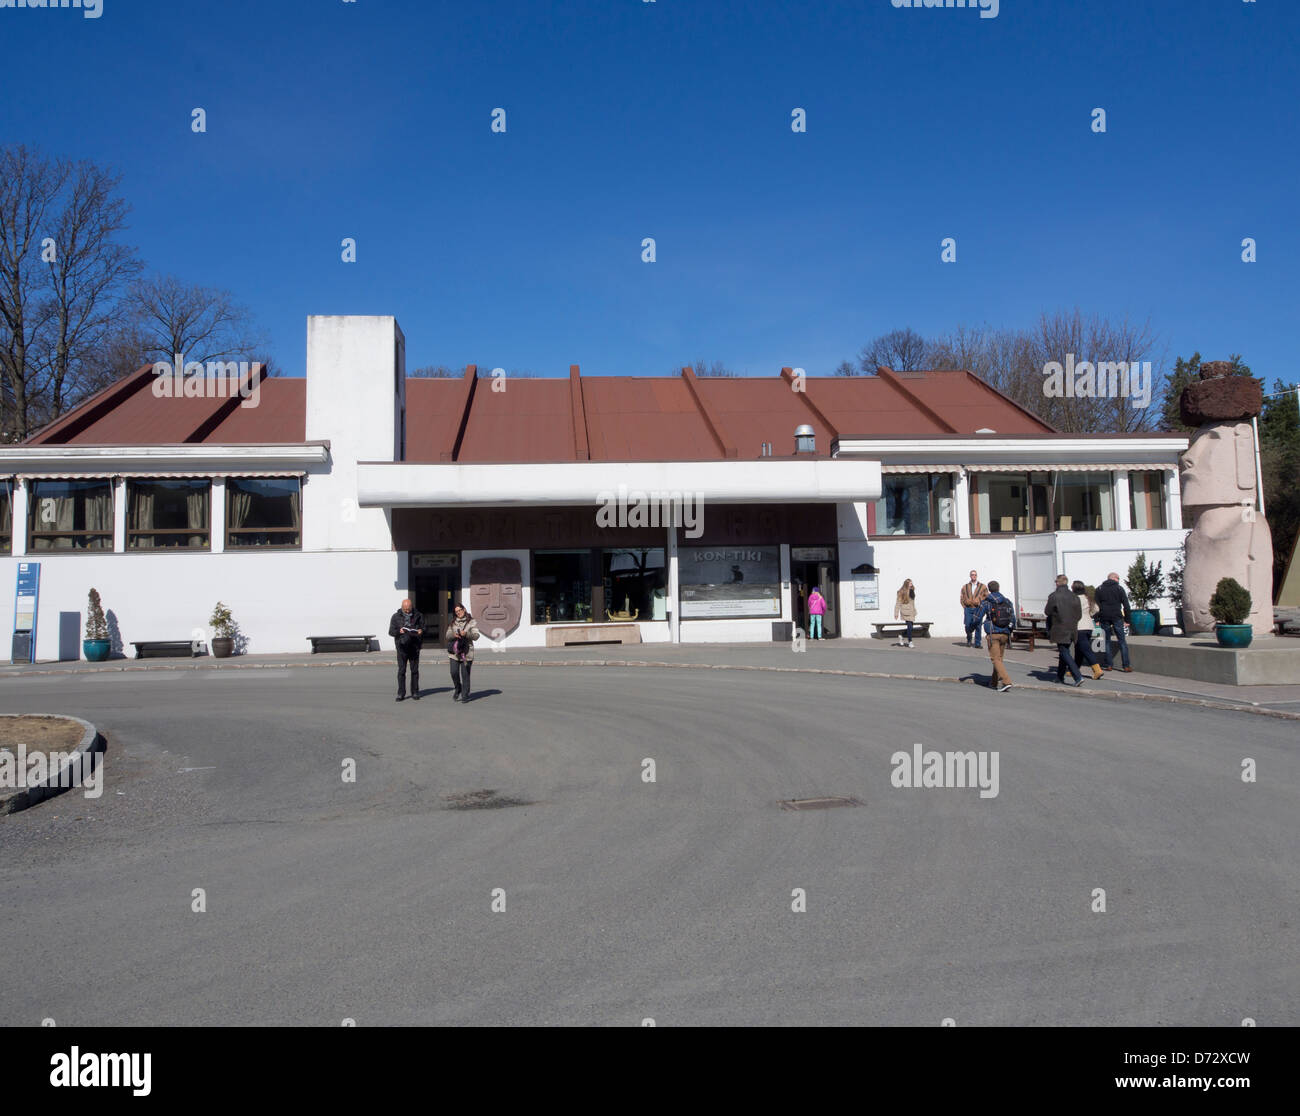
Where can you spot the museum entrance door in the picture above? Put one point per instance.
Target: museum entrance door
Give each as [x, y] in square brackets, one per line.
[435, 584]
[815, 566]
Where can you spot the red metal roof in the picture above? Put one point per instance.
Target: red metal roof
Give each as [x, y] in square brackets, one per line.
[130, 413]
[603, 418]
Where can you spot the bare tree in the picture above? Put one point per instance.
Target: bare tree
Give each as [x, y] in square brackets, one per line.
[701, 368]
[86, 269]
[846, 368]
[1066, 338]
[1018, 363]
[199, 323]
[29, 185]
[62, 274]
[903, 350]
[435, 372]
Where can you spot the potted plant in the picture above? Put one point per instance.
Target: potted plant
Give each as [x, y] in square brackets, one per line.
[1176, 584]
[1146, 583]
[1230, 606]
[224, 630]
[96, 644]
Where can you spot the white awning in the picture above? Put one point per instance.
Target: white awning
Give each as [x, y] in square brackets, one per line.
[105, 474]
[920, 468]
[1072, 467]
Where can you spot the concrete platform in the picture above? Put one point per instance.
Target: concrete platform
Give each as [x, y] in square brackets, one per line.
[1269, 661]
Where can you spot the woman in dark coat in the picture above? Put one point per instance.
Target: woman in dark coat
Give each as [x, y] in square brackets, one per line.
[1063, 616]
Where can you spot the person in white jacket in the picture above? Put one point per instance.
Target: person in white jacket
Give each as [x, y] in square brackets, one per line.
[1083, 641]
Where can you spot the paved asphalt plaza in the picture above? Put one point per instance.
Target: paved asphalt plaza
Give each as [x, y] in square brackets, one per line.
[672, 900]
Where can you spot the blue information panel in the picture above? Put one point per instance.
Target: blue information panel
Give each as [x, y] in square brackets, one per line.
[25, 599]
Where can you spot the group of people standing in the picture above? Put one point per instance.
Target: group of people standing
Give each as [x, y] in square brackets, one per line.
[408, 628]
[987, 612]
[1108, 608]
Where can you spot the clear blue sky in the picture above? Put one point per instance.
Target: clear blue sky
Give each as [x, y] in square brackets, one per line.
[671, 120]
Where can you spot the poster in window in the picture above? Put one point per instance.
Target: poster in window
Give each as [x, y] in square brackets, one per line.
[730, 582]
[866, 588]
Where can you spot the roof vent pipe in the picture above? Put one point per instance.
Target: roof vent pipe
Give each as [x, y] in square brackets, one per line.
[805, 439]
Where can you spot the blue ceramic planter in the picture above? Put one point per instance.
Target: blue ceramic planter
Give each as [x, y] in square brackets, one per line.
[1233, 635]
[96, 650]
[1144, 621]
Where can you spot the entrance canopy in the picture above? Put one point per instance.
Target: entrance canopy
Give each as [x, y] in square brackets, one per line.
[402, 484]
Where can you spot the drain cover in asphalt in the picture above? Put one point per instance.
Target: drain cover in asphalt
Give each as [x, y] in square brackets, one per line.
[481, 800]
[818, 803]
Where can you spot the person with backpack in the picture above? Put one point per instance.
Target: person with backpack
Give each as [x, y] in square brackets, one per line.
[973, 594]
[998, 616]
[905, 610]
[1063, 616]
[816, 610]
[461, 633]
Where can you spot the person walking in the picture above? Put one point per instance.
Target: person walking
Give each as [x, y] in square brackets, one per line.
[1083, 655]
[1113, 612]
[905, 610]
[407, 629]
[998, 616]
[461, 633]
[972, 598]
[816, 610]
[1063, 615]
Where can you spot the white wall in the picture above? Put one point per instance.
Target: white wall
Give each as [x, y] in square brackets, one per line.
[937, 567]
[1090, 556]
[355, 377]
[278, 598]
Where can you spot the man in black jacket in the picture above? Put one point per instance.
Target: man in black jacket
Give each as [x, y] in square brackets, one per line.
[407, 628]
[1063, 615]
[1113, 612]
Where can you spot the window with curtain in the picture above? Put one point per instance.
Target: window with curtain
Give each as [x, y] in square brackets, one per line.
[6, 516]
[1146, 495]
[916, 505]
[264, 512]
[71, 515]
[167, 513]
[1010, 503]
[1083, 502]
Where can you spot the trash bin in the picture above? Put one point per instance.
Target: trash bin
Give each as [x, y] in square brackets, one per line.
[782, 631]
[22, 648]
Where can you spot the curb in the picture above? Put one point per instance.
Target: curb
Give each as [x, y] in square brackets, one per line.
[373, 660]
[20, 798]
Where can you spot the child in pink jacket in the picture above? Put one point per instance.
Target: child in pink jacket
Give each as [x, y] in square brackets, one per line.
[816, 610]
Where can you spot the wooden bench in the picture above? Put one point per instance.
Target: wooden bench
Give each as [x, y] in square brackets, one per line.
[1284, 624]
[341, 643]
[889, 627]
[166, 648]
[1023, 635]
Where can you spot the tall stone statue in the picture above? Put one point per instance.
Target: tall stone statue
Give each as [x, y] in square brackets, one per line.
[1229, 537]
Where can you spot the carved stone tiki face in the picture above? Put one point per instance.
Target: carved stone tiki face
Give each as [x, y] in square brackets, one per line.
[496, 595]
[1218, 468]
